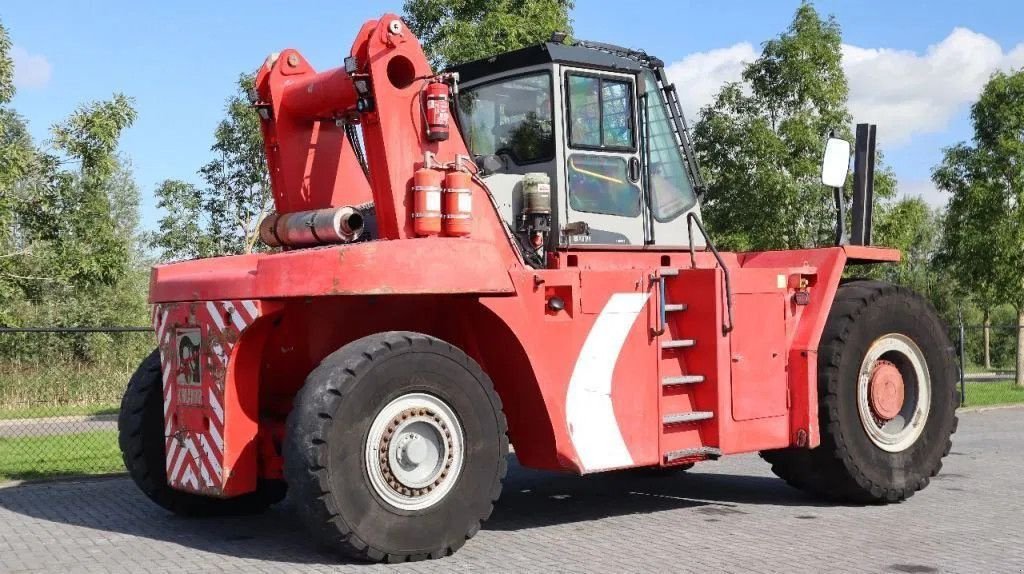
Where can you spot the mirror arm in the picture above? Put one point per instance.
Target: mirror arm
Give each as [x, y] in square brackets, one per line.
[841, 238]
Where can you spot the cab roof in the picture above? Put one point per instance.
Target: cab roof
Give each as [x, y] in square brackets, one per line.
[584, 54]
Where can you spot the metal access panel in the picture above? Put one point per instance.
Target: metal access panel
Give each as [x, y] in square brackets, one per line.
[758, 361]
[197, 340]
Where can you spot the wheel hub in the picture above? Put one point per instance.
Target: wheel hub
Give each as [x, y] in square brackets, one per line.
[414, 451]
[886, 390]
[894, 392]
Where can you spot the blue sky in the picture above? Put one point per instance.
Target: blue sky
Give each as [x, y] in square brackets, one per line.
[914, 66]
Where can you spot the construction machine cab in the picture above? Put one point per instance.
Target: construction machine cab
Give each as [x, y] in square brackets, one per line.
[603, 126]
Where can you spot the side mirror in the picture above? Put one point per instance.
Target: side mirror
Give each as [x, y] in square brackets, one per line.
[835, 166]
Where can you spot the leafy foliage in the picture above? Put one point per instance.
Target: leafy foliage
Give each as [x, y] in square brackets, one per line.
[457, 31]
[984, 231]
[222, 217]
[68, 218]
[761, 141]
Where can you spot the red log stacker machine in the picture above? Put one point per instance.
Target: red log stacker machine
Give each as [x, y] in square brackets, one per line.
[511, 252]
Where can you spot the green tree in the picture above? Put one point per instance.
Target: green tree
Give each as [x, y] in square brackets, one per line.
[222, 217]
[984, 230]
[457, 31]
[761, 140]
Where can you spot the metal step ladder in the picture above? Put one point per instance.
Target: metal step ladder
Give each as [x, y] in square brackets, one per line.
[671, 349]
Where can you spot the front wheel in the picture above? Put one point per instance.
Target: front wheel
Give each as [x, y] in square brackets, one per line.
[887, 399]
[396, 448]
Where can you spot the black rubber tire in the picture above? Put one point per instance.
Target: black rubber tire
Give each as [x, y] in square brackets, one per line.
[847, 466]
[325, 439]
[140, 426]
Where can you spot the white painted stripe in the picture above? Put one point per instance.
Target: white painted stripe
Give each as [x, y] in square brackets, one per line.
[189, 479]
[251, 307]
[167, 407]
[191, 446]
[236, 316]
[171, 452]
[215, 314]
[215, 405]
[217, 440]
[205, 473]
[212, 458]
[177, 464]
[588, 405]
[167, 426]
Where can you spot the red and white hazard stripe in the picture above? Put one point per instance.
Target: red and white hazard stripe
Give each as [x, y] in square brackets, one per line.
[195, 457]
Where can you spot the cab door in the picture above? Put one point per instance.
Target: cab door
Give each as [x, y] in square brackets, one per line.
[602, 159]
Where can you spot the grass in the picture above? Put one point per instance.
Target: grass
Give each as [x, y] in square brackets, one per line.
[34, 457]
[62, 388]
[997, 393]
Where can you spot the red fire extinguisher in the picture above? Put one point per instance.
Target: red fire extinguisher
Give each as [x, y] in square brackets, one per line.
[426, 200]
[458, 202]
[436, 111]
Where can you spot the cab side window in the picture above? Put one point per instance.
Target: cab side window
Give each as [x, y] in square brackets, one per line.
[600, 113]
[599, 184]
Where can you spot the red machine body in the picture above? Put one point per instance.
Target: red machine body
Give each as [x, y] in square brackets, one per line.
[586, 386]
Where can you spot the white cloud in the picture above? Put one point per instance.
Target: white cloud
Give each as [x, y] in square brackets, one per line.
[699, 76]
[910, 93]
[905, 92]
[30, 70]
[924, 189]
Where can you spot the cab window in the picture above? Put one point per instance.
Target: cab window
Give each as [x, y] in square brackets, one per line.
[600, 113]
[600, 184]
[670, 188]
[510, 116]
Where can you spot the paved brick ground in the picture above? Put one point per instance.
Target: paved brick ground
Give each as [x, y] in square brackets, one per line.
[729, 516]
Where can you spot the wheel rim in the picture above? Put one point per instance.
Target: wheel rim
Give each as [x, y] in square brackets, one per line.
[894, 392]
[414, 451]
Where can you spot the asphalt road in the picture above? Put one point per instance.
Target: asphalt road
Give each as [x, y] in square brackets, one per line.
[726, 516]
[56, 425]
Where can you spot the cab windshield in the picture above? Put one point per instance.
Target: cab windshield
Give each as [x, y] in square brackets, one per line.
[509, 117]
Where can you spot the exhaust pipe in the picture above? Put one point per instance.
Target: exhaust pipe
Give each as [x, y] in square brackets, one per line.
[311, 228]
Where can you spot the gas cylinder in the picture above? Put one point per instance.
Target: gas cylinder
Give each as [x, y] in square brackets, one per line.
[435, 111]
[458, 203]
[426, 201]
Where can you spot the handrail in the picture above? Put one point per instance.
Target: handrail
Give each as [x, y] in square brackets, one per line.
[691, 218]
[660, 330]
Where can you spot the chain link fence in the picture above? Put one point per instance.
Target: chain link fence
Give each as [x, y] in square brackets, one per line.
[60, 391]
[988, 363]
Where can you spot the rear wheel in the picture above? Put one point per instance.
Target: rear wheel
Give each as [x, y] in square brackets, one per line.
[396, 448]
[140, 425]
[887, 399]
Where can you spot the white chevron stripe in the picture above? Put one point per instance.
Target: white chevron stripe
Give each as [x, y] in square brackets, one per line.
[215, 405]
[236, 317]
[213, 459]
[215, 315]
[217, 439]
[250, 306]
[189, 479]
[171, 452]
[177, 465]
[588, 405]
